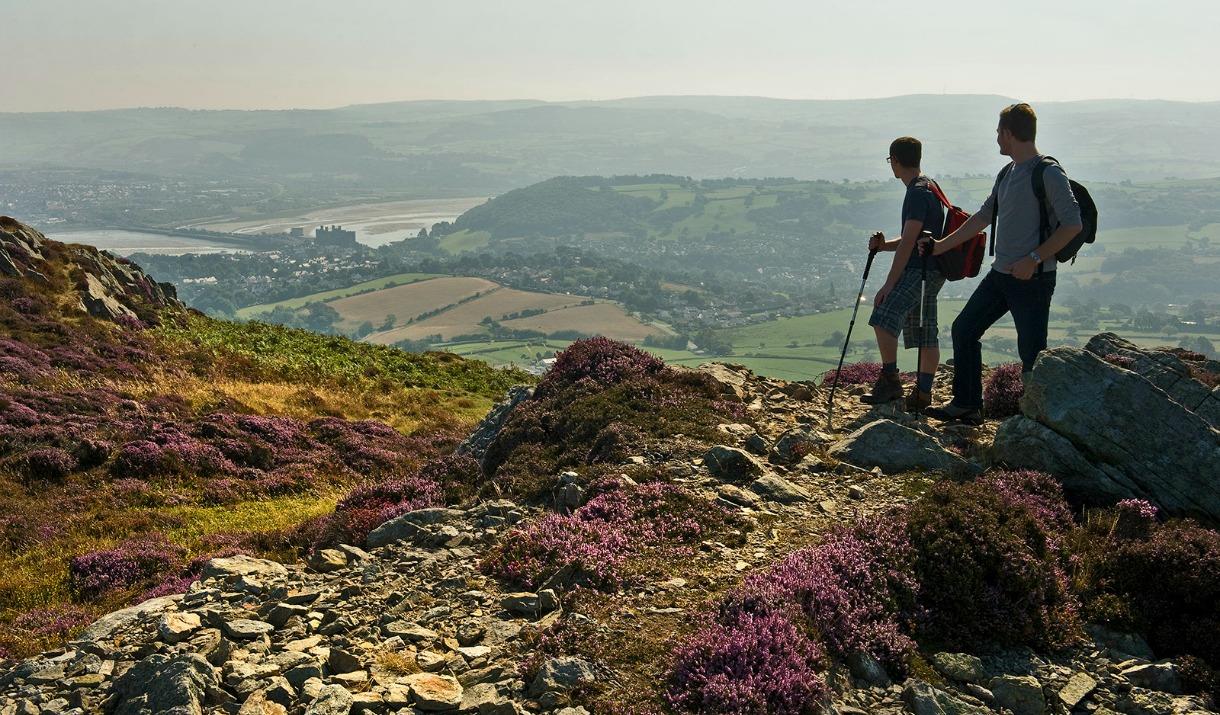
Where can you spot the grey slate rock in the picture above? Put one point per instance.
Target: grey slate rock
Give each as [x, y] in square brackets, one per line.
[1140, 442]
[159, 685]
[331, 700]
[485, 433]
[1022, 694]
[562, 674]
[731, 463]
[896, 448]
[779, 489]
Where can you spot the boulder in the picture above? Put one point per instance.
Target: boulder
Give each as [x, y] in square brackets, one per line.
[731, 380]
[103, 627]
[1078, 687]
[731, 463]
[244, 629]
[562, 674]
[1149, 702]
[327, 560]
[331, 700]
[779, 489]
[895, 448]
[405, 527]
[177, 627]
[923, 699]
[259, 704]
[1154, 676]
[959, 666]
[242, 567]
[869, 669]
[432, 692]
[1115, 435]
[795, 443]
[1022, 442]
[1022, 694]
[160, 685]
[99, 301]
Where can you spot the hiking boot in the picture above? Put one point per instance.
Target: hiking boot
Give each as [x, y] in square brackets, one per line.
[918, 401]
[953, 413]
[887, 388]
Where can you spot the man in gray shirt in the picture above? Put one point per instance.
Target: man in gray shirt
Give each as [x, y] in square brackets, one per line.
[1022, 277]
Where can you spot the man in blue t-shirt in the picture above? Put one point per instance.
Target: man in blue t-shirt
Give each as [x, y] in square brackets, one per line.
[897, 306]
[1022, 277]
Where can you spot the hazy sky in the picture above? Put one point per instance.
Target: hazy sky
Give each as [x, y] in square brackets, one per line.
[90, 54]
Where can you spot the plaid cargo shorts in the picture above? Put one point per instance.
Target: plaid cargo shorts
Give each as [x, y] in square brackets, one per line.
[900, 311]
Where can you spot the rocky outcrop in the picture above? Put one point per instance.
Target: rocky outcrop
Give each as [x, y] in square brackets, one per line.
[1109, 432]
[160, 685]
[1167, 369]
[895, 448]
[480, 439]
[103, 285]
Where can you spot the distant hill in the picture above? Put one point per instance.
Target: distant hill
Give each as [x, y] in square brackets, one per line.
[446, 147]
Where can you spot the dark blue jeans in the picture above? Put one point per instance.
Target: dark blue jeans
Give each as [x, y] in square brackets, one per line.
[999, 293]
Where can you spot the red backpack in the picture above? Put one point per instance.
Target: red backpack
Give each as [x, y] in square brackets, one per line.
[965, 259]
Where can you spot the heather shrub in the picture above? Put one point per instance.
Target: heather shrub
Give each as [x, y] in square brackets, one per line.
[614, 444]
[594, 544]
[859, 373]
[368, 507]
[754, 664]
[1162, 580]
[598, 363]
[989, 562]
[131, 563]
[91, 452]
[855, 589]
[459, 476]
[597, 402]
[49, 464]
[568, 426]
[1197, 677]
[1002, 391]
[528, 473]
[22, 530]
[52, 621]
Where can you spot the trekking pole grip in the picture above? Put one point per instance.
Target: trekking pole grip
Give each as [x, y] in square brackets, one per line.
[868, 266]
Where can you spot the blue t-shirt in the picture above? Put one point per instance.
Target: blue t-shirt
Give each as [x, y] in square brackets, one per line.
[922, 205]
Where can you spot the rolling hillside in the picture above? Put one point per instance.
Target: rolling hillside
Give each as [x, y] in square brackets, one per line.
[468, 148]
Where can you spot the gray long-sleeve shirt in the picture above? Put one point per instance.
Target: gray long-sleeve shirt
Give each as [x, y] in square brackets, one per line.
[1018, 224]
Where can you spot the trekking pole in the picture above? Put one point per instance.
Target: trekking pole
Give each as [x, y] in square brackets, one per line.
[830, 404]
[923, 291]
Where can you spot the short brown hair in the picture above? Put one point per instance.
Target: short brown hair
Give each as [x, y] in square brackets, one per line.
[907, 151]
[1020, 120]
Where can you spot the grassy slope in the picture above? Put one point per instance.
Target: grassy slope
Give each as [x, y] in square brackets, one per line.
[250, 368]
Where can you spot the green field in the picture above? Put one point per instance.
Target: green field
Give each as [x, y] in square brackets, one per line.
[365, 287]
[769, 349]
[461, 241]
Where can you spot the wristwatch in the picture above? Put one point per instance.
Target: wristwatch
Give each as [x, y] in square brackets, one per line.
[1034, 255]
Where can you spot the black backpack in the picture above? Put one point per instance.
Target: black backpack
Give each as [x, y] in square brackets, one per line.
[1088, 211]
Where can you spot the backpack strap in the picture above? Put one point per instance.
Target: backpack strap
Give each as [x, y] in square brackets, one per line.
[1044, 216]
[944, 201]
[995, 206]
[936, 191]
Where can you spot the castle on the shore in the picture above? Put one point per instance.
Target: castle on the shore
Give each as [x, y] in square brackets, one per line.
[334, 236]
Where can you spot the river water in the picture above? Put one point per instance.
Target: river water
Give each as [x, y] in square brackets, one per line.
[125, 243]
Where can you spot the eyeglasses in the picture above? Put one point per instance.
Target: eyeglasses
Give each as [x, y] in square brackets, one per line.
[889, 160]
